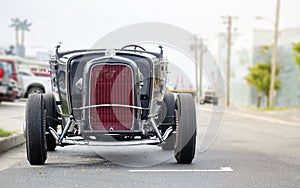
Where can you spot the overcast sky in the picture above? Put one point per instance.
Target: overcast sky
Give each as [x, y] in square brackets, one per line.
[79, 23]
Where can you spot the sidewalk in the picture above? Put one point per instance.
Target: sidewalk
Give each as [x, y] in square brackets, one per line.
[12, 117]
[289, 117]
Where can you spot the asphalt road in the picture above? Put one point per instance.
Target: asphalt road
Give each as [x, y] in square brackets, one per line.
[248, 152]
[12, 115]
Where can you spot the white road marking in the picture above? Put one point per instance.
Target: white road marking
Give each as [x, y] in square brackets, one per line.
[222, 169]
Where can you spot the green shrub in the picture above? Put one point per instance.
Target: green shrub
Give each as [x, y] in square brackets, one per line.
[5, 133]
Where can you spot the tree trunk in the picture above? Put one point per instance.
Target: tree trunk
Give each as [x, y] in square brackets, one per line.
[258, 100]
[268, 101]
[23, 36]
[17, 36]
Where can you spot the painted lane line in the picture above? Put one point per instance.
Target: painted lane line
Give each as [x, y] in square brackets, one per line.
[222, 169]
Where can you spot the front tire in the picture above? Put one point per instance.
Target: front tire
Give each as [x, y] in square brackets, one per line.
[36, 145]
[186, 129]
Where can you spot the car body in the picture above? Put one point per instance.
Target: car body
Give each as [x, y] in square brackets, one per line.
[209, 97]
[14, 87]
[110, 97]
[34, 84]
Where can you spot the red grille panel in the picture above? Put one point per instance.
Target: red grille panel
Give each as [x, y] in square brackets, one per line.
[111, 84]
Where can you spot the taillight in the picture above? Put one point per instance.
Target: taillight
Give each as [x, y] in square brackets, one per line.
[111, 84]
[1, 72]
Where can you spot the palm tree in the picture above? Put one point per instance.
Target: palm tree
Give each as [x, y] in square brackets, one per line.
[16, 24]
[24, 26]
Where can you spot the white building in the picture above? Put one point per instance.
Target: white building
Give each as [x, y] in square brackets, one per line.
[246, 53]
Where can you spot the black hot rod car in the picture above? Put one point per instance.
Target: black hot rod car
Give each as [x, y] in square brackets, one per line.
[109, 97]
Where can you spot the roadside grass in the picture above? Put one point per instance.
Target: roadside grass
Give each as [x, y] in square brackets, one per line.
[5, 133]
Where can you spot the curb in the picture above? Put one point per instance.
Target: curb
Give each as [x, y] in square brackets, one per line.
[11, 142]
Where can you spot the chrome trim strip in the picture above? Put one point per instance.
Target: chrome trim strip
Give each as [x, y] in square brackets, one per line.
[110, 105]
[167, 133]
[54, 133]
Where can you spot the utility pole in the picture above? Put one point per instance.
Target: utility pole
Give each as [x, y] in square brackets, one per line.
[201, 65]
[195, 47]
[229, 25]
[274, 56]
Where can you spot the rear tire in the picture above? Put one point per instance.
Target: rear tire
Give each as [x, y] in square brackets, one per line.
[186, 129]
[51, 117]
[36, 145]
[169, 120]
[35, 90]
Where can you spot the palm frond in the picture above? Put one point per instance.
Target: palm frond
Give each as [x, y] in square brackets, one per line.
[15, 23]
[25, 25]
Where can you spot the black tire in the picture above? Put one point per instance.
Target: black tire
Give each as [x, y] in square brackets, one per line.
[186, 130]
[51, 120]
[169, 120]
[35, 90]
[36, 145]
